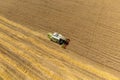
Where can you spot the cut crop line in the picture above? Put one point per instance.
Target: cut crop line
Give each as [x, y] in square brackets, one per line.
[20, 53]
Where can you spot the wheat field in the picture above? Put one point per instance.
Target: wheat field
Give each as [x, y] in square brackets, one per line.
[92, 26]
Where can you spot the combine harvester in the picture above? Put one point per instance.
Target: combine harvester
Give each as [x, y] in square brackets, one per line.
[58, 38]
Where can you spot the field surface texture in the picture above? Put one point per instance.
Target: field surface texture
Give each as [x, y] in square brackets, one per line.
[93, 26]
